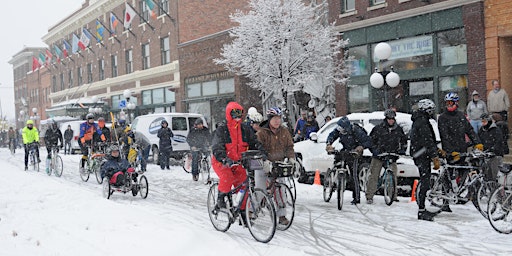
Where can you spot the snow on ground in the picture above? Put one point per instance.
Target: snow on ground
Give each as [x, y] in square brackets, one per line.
[47, 215]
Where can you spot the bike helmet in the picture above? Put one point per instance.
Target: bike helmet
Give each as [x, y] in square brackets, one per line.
[453, 96]
[274, 111]
[30, 122]
[427, 106]
[389, 114]
[343, 125]
[113, 148]
[255, 117]
[89, 116]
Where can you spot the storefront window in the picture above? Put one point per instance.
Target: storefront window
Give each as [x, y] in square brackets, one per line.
[358, 62]
[458, 84]
[210, 88]
[158, 96]
[452, 47]
[170, 96]
[408, 54]
[227, 86]
[358, 98]
[146, 97]
[193, 90]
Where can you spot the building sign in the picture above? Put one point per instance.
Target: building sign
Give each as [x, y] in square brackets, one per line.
[208, 77]
[409, 47]
[421, 88]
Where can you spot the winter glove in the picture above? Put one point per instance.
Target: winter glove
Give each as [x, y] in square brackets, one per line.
[359, 150]
[267, 166]
[329, 148]
[455, 156]
[437, 164]
[479, 147]
[441, 153]
[227, 162]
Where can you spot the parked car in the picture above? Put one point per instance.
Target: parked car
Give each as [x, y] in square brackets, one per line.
[314, 157]
[180, 124]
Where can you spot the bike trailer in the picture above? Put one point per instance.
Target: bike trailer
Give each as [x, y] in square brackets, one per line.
[505, 175]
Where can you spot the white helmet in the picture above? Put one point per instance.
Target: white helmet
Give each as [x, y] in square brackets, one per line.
[427, 106]
[255, 117]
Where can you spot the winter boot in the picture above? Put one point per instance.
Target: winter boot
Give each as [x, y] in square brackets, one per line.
[426, 215]
[221, 203]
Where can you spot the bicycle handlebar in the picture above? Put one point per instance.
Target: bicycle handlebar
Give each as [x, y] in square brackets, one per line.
[342, 152]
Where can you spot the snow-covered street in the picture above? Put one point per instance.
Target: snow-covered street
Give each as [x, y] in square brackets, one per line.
[47, 215]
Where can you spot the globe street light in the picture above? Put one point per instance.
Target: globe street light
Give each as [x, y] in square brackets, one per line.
[384, 78]
[129, 105]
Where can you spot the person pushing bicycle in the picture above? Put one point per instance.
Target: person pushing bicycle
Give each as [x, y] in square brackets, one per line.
[387, 137]
[30, 135]
[278, 143]
[230, 140]
[199, 140]
[353, 138]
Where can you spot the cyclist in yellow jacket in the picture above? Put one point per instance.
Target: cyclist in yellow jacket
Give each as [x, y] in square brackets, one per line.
[30, 135]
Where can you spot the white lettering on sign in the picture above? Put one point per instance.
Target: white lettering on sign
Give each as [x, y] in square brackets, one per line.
[410, 47]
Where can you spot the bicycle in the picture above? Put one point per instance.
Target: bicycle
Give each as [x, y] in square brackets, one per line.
[34, 163]
[259, 214]
[387, 177]
[452, 187]
[336, 178]
[130, 184]
[500, 203]
[203, 165]
[92, 164]
[281, 193]
[56, 164]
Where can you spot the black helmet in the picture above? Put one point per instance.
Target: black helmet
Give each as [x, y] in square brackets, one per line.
[389, 114]
[113, 148]
[486, 116]
[89, 116]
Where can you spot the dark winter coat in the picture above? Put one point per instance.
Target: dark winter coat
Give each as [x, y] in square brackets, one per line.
[165, 135]
[232, 138]
[492, 139]
[113, 165]
[106, 131]
[388, 139]
[355, 136]
[68, 134]
[423, 138]
[279, 145]
[199, 138]
[453, 128]
[309, 127]
[52, 137]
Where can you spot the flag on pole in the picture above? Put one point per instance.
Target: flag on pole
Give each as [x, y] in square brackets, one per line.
[35, 64]
[74, 48]
[85, 39]
[58, 52]
[151, 8]
[113, 23]
[66, 47]
[129, 15]
[49, 57]
[42, 59]
[99, 31]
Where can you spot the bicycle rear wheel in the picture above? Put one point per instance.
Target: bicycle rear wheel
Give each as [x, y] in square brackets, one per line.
[328, 184]
[57, 166]
[97, 171]
[435, 194]
[143, 186]
[187, 162]
[219, 217]
[484, 194]
[498, 209]
[388, 182]
[290, 182]
[204, 171]
[340, 189]
[261, 216]
[284, 204]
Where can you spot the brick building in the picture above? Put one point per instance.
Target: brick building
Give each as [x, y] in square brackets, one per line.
[430, 41]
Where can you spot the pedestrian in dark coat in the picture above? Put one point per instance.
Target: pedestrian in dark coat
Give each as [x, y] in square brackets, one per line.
[68, 136]
[199, 140]
[492, 139]
[165, 144]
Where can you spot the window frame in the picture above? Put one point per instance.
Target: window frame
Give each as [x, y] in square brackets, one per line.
[89, 73]
[113, 61]
[101, 69]
[145, 52]
[165, 50]
[129, 61]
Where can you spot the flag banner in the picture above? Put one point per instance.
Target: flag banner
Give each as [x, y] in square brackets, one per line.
[151, 8]
[42, 59]
[49, 57]
[66, 48]
[35, 64]
[58, 52]
[85, 39]
[113, 23]
[129, 15]
[74, 48]
[99, 31]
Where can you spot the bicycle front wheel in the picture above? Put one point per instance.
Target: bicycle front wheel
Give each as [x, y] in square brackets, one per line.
[484, 194]
[388, 182]
[84, 174]
[143, 186]
[219, 217]
[285, 206]
[328, 184]
[290, 182]
[58, 166]
[204, 171]
[340, 189]
[97, 172]
[261, 216]
[498, 210]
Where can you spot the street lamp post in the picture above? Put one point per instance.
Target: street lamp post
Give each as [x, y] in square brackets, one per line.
[381, 77]
[130, 106]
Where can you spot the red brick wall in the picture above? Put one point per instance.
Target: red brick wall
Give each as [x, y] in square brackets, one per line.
[472, 16]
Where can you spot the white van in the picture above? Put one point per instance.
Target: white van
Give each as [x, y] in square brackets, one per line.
[180, 124]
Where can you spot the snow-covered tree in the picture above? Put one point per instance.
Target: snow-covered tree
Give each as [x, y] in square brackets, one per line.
[287, 46]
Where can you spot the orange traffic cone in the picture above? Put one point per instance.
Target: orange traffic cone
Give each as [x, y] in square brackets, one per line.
[414, 187]
[317, 178]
